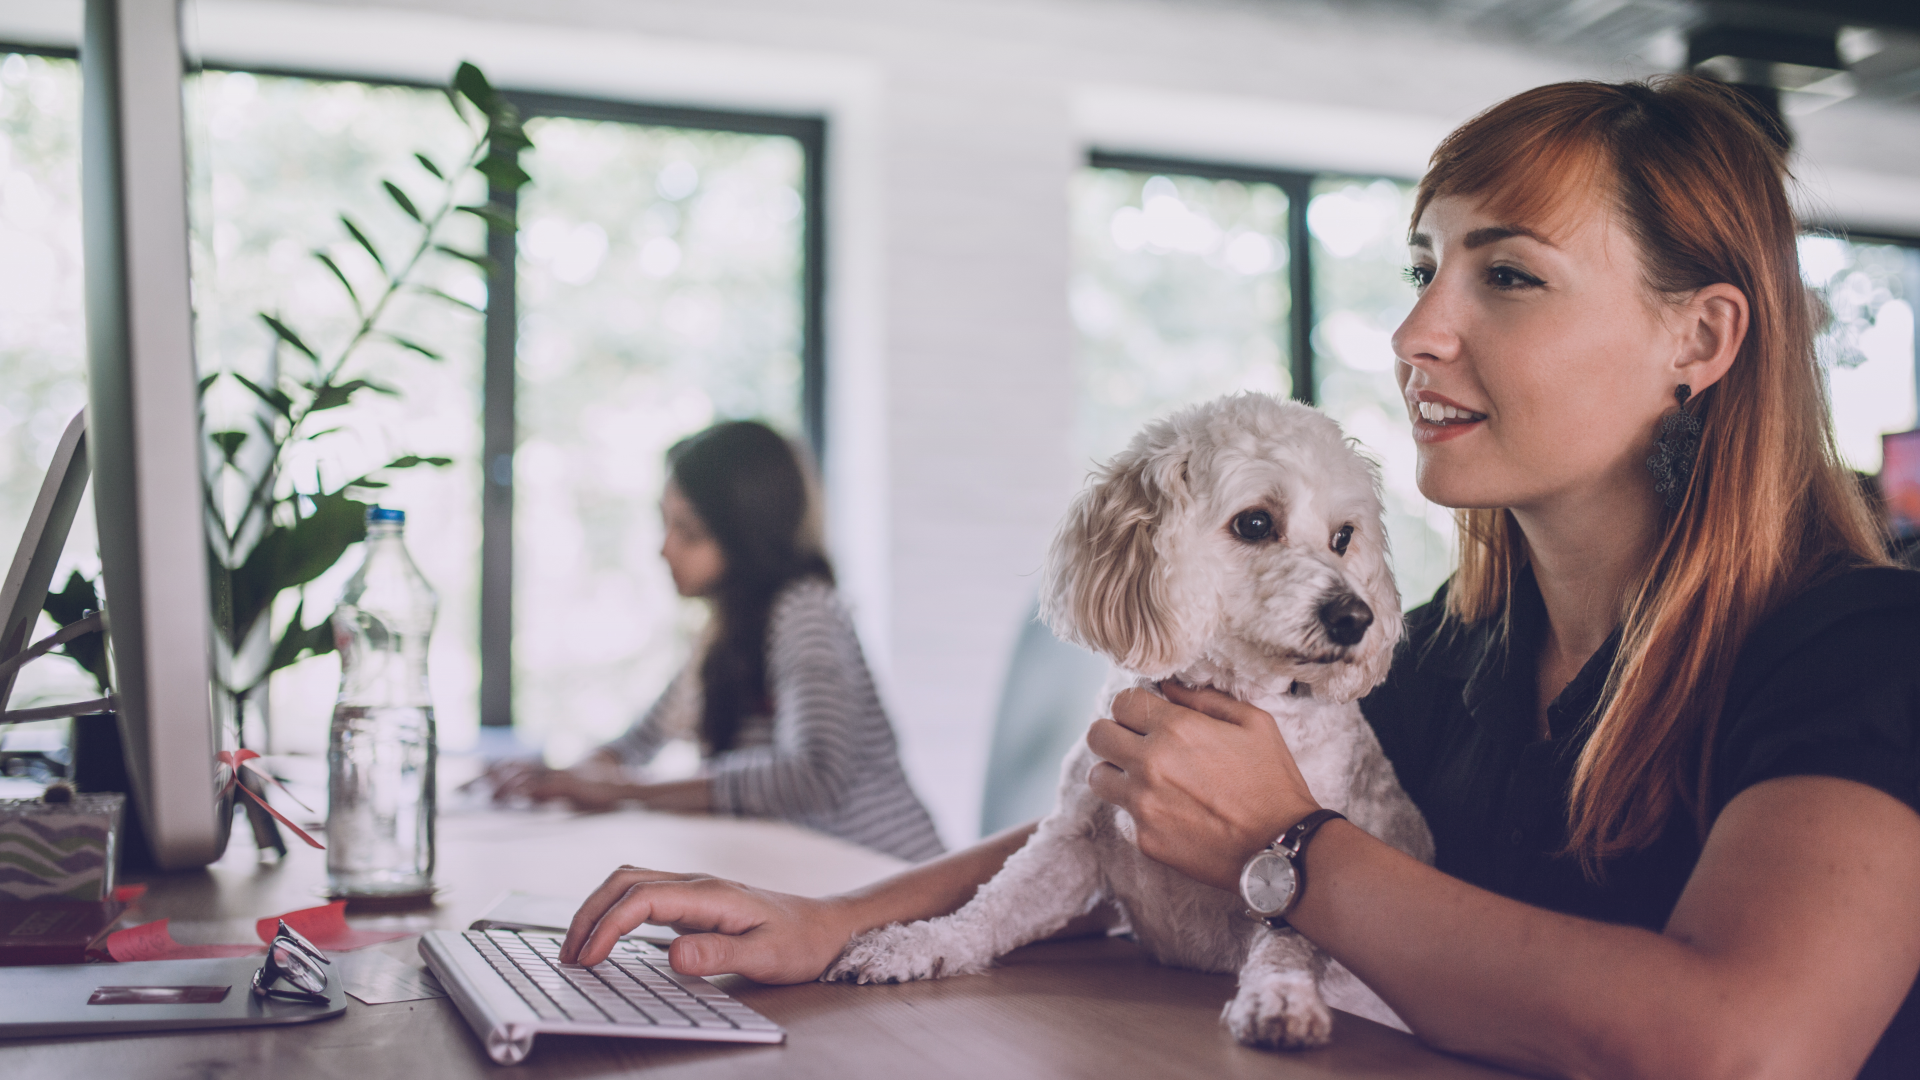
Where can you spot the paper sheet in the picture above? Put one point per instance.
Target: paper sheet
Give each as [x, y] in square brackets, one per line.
[374, 978]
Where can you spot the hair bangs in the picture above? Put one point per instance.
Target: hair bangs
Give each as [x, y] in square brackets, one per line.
[1531, 163]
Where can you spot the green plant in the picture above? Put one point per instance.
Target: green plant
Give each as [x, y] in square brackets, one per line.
[289, 530]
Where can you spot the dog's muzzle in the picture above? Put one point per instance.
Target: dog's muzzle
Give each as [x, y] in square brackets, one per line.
[1346, 618]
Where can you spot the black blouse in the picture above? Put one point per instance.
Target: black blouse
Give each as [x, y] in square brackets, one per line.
[1829, 685]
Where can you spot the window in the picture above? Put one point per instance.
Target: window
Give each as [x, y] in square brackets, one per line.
[1867, 349]
[42, 336]
[659, 290]
[667, 275]
[276, 162]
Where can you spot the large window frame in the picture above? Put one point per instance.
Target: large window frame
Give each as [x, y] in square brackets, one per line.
[1299, 189]
[501, 325]
[500, 364]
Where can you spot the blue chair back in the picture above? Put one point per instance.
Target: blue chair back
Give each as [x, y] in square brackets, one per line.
[1045, 706]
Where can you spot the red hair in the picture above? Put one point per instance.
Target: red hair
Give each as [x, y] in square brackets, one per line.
[1697, 179]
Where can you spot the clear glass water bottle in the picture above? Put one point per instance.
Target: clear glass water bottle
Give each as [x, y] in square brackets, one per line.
[380, 755]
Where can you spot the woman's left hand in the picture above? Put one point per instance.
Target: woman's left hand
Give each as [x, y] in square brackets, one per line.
[1207, 780]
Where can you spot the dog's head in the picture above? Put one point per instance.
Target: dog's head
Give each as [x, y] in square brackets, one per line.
[1242, 535]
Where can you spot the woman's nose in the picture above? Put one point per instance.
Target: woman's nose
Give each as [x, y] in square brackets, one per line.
[1427, 335]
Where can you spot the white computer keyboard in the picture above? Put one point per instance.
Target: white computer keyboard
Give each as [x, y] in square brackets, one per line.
[511, 986]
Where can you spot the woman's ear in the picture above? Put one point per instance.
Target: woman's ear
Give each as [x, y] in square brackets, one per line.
[1108, 579]
[1712, 326]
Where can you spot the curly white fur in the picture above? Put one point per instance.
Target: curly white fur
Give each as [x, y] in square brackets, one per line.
[1148, 570]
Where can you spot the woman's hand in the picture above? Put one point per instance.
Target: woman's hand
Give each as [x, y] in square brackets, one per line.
[726, 927]
[538, 783]
[1207, 780]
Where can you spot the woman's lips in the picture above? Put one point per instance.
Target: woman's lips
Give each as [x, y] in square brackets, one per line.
[1437, 419]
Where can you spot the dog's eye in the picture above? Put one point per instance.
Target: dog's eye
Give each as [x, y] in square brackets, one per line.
[1253, 525]
[1341, 539]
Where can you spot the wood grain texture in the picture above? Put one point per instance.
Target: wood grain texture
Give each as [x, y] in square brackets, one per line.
[1093, 1008]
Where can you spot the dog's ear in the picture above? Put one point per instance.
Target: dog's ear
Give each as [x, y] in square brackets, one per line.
[1109, 580]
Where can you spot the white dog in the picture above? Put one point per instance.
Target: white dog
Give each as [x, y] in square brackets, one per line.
[1236, 545]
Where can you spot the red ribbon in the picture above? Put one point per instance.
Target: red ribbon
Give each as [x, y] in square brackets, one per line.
[234, 761]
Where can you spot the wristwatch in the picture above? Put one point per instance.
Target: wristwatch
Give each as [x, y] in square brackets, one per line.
[1272, 881]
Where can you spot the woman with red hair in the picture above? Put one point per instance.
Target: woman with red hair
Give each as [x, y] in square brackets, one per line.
[1664, 720]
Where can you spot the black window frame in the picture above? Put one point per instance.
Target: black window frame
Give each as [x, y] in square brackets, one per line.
[500, 335]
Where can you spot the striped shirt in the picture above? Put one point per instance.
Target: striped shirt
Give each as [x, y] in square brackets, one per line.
[826, 758]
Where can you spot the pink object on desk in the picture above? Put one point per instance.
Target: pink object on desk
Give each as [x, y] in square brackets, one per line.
[326, 926]
[153, 941]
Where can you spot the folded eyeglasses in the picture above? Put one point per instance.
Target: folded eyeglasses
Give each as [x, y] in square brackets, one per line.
[299, 963]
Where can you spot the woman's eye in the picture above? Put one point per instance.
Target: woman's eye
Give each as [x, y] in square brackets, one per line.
[1341, 539]
[1252, 525]
[1506, 277]
[1418, 276]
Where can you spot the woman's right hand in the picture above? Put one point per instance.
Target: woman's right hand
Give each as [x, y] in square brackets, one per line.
[725, 927]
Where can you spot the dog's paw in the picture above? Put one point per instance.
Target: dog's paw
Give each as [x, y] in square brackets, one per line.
[1284, 1013]
[904, 953]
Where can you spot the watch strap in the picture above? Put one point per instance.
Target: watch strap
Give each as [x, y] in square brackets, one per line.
[1293, 844]
[1294, 840]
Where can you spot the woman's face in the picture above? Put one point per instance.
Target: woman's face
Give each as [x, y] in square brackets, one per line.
[693, 555]
[1535, 365]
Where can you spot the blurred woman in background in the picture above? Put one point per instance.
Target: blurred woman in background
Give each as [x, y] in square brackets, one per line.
[778, 696]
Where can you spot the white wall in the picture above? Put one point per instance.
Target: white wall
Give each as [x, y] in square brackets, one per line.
[954, 127]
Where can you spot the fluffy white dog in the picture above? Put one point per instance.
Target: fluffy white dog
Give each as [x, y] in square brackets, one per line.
[1237, 545]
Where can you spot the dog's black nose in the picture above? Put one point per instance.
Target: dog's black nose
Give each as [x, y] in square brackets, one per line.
[1346, 618]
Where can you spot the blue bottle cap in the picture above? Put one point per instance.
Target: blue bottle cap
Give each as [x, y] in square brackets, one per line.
[382, 514]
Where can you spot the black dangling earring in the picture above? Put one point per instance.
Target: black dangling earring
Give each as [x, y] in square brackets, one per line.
[1673, 453]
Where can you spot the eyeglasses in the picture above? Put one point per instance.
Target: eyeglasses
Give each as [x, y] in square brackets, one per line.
[296, 960]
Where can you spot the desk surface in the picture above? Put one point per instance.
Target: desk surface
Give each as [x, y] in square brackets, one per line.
[1087, 1008]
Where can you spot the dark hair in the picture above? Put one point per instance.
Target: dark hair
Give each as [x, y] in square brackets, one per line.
[1697, 178]
[750, 489]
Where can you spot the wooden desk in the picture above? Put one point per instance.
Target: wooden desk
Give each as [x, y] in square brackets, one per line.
[1088, 1008]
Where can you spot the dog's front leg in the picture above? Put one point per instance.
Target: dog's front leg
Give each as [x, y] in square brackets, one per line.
[1049, 881]
[1279, 1003]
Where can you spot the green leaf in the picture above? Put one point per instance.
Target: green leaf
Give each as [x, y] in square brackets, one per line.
[326, 260]
[294, 554]
[410, 461]
[366, 244]
[400, 197]
[206, 382]
[333, 396]
[472, 85]
[74, 601]
[276, 399]
[286, 334]
[408, 343]
[300, 641]
[503, 171]
[229, 443]
[68, 606]
[431, 291]
[493, 214]
[363, 482]
[427, 164]
[480, 261]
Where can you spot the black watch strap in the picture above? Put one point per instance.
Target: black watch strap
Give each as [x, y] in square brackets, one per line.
[1294, 840]
[1293, 844]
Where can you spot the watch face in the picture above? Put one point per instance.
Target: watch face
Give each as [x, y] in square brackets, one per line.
[1267, 883]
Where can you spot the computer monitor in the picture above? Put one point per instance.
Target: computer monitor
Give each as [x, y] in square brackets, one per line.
[143, 436]
[1900, 482]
